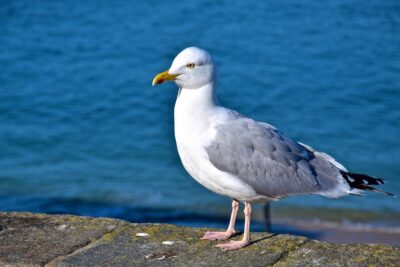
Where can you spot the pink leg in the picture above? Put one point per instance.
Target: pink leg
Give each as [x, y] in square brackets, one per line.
[231, 228]
[232, 245]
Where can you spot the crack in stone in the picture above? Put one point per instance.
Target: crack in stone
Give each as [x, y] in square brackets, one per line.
[86, 245]
[286, 253]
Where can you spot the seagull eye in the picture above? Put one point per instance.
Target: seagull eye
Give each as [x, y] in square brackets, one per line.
[190, 65]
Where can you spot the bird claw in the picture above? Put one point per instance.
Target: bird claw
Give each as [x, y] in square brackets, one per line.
[232, 245]
[218, 235]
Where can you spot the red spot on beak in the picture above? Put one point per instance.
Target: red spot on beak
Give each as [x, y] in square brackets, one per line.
[160, 81]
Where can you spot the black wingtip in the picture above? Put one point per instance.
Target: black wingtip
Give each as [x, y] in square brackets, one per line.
[364, 182]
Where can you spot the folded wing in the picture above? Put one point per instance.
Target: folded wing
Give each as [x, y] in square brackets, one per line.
[274, 165]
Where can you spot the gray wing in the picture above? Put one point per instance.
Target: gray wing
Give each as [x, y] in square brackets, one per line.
[266, 159]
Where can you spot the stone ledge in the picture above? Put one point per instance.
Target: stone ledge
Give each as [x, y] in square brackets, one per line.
[28, 239]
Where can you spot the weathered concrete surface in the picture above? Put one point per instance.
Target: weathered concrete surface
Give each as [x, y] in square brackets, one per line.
[28, 239]
[36, 239]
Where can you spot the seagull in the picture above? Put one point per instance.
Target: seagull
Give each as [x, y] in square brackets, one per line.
[246, 160]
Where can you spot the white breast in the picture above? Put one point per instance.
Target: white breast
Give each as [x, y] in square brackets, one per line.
[194, 131]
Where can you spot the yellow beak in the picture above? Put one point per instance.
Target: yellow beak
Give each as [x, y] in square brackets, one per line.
[164, 76]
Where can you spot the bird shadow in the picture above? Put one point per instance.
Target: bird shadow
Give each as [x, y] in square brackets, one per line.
[237, 234]
[262, 238]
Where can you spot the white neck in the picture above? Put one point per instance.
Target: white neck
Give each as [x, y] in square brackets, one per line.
[193, 107]
[203, 97]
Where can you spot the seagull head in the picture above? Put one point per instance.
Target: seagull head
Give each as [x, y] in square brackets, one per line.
[192, 68]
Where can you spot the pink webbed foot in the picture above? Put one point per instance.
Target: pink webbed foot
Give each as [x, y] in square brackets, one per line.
[218, 235]
[232, 245]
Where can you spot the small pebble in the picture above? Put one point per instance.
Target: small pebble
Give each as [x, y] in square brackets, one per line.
[110, 227]
[168, 242]
[62, 227]
[142, 234]
[148, 256]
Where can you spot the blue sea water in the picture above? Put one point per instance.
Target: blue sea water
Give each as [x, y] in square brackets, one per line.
[82, 131]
